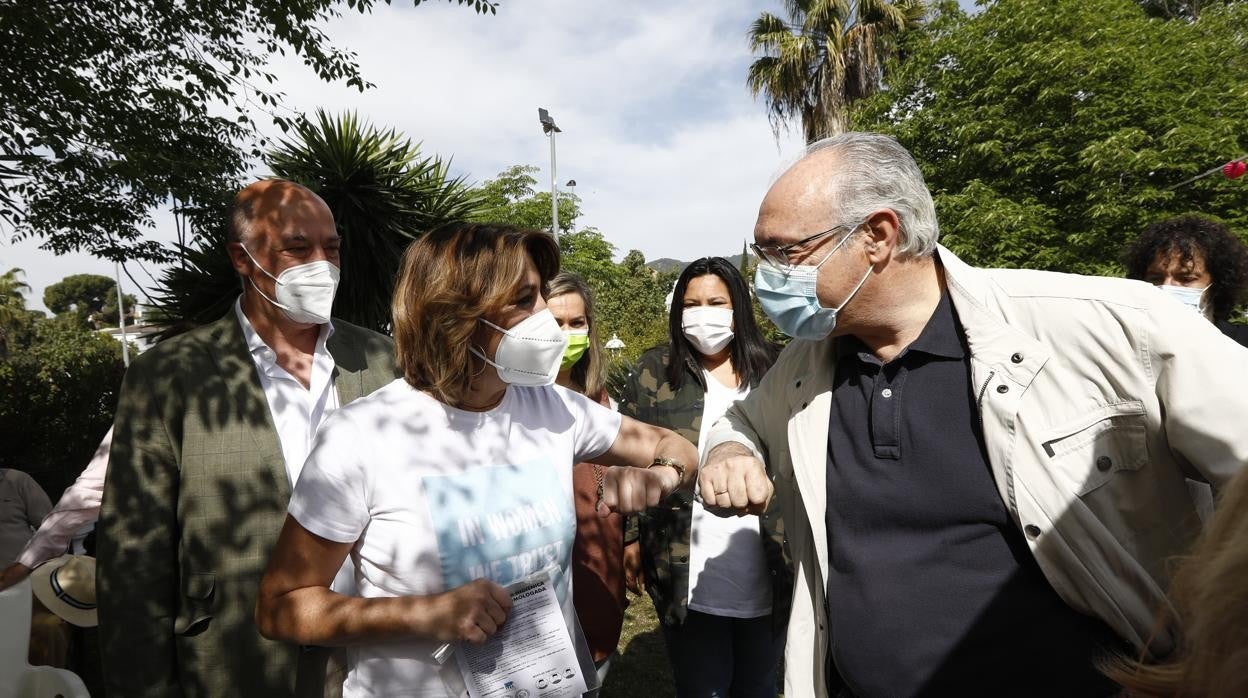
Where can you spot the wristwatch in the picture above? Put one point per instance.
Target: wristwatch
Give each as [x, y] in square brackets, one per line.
[671, 463]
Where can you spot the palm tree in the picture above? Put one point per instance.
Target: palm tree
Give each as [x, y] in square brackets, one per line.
[12, 303]
[827, 55]
[12, 295]
[383, 192]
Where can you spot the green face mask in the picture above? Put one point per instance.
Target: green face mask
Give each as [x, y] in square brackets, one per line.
[578, 342]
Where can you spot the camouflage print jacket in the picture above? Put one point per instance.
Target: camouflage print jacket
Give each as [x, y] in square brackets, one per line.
[664, 531]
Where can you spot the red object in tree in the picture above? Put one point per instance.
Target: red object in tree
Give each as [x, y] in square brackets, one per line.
[1234, 169]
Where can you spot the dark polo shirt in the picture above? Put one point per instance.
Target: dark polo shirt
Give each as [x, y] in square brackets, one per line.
[931, 587]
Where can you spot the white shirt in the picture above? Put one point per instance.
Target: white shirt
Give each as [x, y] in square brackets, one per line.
[297, 411]
[728, 574]
[433, 497]
[75, 512]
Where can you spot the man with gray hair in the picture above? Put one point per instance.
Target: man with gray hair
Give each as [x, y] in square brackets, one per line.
[982, 472]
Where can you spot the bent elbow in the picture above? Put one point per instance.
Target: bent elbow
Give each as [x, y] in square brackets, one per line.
[269, 614]
[263, 617]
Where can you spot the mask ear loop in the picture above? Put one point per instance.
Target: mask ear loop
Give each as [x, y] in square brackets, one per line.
[480, 353]
[276, 282]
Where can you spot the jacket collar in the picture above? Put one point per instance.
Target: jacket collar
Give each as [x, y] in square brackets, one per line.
[990, 339]
[237, 370]
[349, 359]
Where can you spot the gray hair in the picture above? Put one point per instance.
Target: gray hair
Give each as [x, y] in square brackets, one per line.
[874, 171]
[238, 222]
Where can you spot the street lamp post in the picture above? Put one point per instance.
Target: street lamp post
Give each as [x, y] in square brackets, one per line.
[550, 129]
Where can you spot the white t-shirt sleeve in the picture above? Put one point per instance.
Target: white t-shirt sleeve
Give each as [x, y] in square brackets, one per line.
[329, 499]
[594, 427]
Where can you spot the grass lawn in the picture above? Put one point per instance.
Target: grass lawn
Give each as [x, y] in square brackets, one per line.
[641, 668]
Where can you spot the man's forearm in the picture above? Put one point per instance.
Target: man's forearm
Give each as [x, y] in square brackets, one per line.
[54, 534]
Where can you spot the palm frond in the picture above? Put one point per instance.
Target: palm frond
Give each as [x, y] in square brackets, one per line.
[827, 55]
[383, 192]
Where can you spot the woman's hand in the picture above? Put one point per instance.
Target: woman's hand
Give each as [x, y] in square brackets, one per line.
[296, 605]
[470, 613]
[628, 490]
[634, 573]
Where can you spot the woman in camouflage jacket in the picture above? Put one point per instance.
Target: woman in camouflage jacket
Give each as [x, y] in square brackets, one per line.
[714, 650]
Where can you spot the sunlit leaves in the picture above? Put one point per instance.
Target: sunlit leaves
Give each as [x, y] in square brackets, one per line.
[112, 109]
[1051, 131]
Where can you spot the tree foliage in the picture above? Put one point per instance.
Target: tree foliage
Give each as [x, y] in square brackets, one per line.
[628, 294]
[81, 293]
[824, 56]
[112, 109]
[13, 311]
[92, 298]
[512, 197]
[1051, 132]
[630, 304]
[13, 292]
[60, 380]
[1179, 9]
[383, 192]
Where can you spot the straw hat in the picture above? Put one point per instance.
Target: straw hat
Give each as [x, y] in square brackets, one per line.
[66, 586]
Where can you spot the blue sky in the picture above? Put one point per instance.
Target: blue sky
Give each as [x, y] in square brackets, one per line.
[670, 152]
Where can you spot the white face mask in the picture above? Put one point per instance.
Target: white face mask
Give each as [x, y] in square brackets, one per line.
[1191, 297]
[708, 328]
[305, 292]
[530, 352]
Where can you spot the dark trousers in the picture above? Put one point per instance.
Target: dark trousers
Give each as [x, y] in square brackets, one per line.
[720, 657]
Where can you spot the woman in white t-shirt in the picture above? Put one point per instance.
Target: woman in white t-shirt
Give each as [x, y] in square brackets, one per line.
[457, 477]
[720, 584]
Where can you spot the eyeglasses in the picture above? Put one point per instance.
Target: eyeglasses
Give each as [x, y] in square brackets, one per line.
[778, 255]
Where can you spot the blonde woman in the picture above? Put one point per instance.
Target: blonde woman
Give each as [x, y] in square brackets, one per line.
[598, 554]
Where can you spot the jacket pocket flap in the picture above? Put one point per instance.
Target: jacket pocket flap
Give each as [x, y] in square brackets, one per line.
[1088, 452]
[1077, 432]
[199, 586]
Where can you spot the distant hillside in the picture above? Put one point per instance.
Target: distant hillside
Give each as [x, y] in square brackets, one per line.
[666, 264]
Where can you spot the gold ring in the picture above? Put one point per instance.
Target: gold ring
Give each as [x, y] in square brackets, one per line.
[719, 493]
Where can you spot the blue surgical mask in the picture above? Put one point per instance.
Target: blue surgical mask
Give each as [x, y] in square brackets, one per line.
[1191, 297]
[788, 296]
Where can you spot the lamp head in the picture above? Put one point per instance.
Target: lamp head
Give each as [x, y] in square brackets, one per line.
[548, 123]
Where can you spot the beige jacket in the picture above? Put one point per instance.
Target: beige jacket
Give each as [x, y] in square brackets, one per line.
[1098, 398]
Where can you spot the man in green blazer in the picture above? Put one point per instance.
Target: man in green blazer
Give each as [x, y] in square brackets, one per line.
[211, 430]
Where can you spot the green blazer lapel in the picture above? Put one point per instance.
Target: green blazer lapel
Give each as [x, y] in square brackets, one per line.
[241, 379]
[349, 363]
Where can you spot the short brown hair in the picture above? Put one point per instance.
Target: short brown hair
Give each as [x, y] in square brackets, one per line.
[453, 276]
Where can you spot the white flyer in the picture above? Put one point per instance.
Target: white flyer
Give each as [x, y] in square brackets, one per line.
[531, 656]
